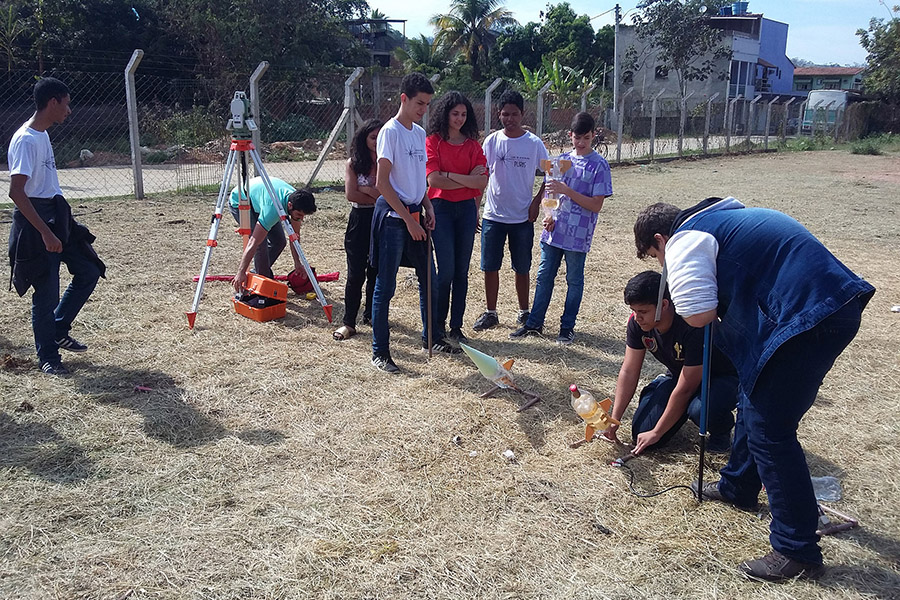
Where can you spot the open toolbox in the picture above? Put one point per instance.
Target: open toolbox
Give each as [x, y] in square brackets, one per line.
[263, 299]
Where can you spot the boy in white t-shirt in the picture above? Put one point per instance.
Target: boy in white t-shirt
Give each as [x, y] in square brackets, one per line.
[513, 157]
[397, 233]
[44, 234]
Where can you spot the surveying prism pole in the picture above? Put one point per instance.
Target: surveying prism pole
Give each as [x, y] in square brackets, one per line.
[704, 403]
[242, 128]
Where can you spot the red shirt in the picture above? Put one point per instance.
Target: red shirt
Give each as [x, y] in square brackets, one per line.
[444, 156]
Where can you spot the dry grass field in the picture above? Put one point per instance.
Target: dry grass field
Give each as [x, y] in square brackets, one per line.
[269, 461]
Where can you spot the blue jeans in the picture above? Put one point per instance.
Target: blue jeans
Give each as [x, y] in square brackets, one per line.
[51, 318]
[267, 253]
[551, 257]
[766, 451]
[454, 238]
[723, 395]
[393, 238]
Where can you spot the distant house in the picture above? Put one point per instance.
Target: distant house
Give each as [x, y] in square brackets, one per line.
[827, 78]
[379, 37]
[759, 63]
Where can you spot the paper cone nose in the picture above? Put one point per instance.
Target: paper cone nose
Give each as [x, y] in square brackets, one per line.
[488, 365]
[327, 309]
[191, 316]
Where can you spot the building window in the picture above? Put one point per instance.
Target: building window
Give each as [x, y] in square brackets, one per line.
[802, 86]
[662, 72]
[831, 84]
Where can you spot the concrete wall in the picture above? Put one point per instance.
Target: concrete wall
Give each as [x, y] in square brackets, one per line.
[773, 48]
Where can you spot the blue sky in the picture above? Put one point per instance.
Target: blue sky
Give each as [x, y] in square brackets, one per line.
[823, 31]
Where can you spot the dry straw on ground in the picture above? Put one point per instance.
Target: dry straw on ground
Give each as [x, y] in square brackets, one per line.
[270, 461]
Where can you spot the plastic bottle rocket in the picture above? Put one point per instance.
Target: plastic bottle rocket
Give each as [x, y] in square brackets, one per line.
[492, 370]
[595, 414]
[553, 170]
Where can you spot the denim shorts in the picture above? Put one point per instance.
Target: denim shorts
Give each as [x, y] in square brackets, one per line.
[521, 241]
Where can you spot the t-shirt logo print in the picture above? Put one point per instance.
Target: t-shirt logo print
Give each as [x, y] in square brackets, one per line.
[411, 152]
[649, 343]
[50, 163]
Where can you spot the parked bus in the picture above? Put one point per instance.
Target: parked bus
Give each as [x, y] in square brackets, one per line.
[823, 109]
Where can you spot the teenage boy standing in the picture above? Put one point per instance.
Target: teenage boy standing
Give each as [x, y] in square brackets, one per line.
[569, 231]
[513, 156]
[396, 229]
[44, 233]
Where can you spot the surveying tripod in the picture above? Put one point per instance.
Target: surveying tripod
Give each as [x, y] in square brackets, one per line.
[241, 127]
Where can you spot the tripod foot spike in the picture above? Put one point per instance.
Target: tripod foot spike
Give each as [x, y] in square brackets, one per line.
[191, 317]
[327, 308]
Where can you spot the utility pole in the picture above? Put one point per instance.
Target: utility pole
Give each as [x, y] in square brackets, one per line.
[616, 75]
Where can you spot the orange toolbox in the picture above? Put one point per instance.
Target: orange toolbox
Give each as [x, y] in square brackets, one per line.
[263, 300]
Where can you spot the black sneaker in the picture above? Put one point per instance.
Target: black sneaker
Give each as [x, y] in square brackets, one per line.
[71, 344]
[565, 337]
[456, 335]
[442, 345]
[775, 566]
[385, 363]
[711, 492]
[54, 368]
[719, 443]
[523, 317]
[525, 331]
[486, 321]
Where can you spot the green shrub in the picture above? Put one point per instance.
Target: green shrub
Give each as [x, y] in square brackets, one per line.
[867, 146]
[193, 128]
[293, 128]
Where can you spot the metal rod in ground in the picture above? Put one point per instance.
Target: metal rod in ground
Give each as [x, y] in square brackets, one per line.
[704, 404]
[428, 308]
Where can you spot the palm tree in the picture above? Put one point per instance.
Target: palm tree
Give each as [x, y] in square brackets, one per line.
[421, 54]
[471, 27]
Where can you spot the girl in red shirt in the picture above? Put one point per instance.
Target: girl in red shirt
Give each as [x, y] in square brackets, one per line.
[457, 175]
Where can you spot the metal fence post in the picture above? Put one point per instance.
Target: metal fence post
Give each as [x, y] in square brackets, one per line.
[751, 118]
[433, 79]
[787, 116]
[620, 118]
[134, 134]
[350, 102]
[653, 111]
[708, 117]
[261, 68]
[540, 108]
[729, 121]
[682, 122]
[487, 104]
[584, 97]
[769, 120]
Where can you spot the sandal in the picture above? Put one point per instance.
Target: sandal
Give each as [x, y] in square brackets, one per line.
[344, 332]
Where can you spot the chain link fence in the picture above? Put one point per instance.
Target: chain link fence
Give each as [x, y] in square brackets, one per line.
[305, 123]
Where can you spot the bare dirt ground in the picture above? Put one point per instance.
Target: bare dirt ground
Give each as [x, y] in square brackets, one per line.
[269, 461]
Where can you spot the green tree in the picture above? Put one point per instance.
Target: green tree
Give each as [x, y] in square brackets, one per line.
[568, 38]
[882, 42]
[11, 29]
[423, 55]
[471, 27]
[681, 35]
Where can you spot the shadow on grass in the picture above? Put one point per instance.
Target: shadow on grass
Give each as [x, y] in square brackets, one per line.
[161, 402]
[42, 450]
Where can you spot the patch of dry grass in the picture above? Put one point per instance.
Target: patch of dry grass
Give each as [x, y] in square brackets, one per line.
[270, 461]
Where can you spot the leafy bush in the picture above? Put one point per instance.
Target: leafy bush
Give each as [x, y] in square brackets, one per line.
[293, 128]
[193, 128]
